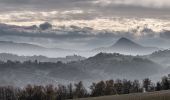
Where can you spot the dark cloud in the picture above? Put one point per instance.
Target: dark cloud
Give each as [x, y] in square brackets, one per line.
[101, 7]
[76, 33]
[15, 1]
[31, 31]
[42, 4]
[70, 32]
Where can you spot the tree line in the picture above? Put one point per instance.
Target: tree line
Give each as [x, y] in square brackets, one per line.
[78, 90]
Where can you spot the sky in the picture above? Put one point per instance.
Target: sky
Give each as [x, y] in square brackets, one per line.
[86, 24]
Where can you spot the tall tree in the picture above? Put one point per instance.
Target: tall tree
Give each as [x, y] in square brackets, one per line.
[118, 86]
[109, 90]
[80, 90]
[70, 91]
[127, 85]
[158, 86]
[146, 84]
[98, 89]
[165, 83]
[135, 87]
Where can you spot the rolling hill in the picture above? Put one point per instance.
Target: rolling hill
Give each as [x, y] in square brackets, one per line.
[106, 65]
[12, 57]
[162, 57]
[99, 67]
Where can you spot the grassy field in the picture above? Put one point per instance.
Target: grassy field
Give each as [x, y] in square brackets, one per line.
[163, 95]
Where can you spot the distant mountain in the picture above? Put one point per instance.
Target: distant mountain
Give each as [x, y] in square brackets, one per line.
[126, 46]
[123, 43]
[5, 57]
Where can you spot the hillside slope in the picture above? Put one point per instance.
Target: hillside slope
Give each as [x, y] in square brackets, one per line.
[162, 57]
[162, 95]
[103, 66]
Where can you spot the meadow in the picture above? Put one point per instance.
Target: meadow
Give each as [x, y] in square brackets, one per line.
[161, 95]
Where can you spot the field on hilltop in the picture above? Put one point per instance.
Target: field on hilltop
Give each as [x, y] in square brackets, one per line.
[162, 95]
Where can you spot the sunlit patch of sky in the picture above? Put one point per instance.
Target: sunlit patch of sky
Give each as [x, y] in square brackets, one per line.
[64, 18]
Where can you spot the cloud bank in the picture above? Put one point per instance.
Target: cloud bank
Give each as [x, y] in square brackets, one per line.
[70, 37]
[144, 3]
[109, 6]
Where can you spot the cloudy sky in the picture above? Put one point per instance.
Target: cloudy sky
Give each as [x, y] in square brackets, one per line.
[86, 23]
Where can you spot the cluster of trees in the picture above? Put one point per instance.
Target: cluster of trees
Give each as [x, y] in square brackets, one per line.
[111, 87]
[119, 87]
[29, 63]
[78, 90]
[49, 92]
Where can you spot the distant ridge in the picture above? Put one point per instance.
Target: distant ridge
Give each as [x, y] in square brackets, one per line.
[28, 49]
[162, 57]
[127, 46]
[12, 57]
